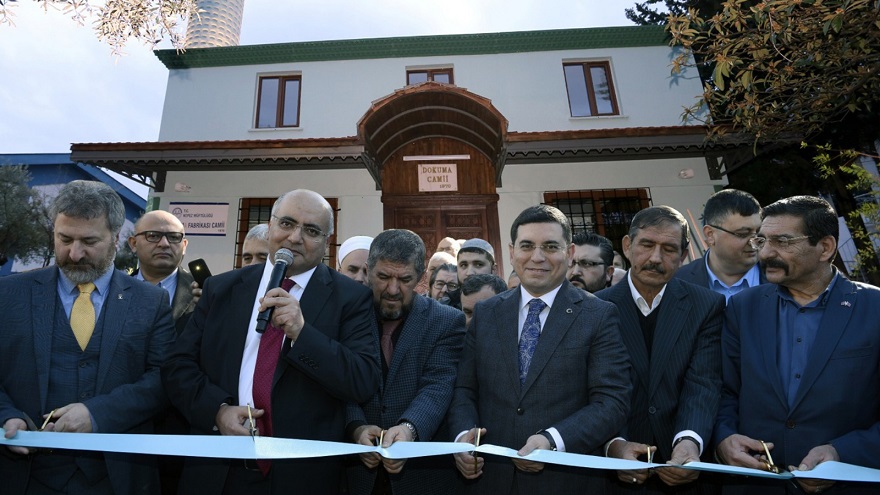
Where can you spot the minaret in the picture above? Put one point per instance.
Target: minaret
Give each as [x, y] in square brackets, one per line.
[218, 23]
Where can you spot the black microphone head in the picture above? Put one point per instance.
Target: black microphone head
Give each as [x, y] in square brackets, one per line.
[285, 255]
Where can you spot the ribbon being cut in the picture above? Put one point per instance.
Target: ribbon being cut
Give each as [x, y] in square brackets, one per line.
[281, 448]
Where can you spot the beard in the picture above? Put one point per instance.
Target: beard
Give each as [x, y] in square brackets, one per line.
[389, 312]
[87, 270]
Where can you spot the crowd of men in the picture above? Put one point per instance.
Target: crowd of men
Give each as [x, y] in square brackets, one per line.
[759, 354]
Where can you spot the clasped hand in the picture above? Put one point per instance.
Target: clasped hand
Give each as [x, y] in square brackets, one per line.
[72, 418]
[369, 434]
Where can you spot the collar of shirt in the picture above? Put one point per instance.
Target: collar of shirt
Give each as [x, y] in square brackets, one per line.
[168, 283]
[820, 301]
[751, 278]
[525, 298]
[301, 280]
[68, 291]
[643, 305]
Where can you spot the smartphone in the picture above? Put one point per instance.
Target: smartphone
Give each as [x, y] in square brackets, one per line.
[199, 270]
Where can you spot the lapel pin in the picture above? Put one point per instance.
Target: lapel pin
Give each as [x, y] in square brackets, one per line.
[568, 310]
[119, 296]
[846, 303]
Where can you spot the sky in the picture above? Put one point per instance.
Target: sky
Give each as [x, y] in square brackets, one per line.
[60, 85]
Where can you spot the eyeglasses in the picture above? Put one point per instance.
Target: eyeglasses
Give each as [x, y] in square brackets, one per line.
[775, 242]
[547, 248]
[738, 235]
[156, 236]
[439, 284]
[586, 264]
[289, 225]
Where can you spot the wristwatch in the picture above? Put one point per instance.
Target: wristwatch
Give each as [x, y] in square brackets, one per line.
[546, 434]
[412, 429]
[679, 439]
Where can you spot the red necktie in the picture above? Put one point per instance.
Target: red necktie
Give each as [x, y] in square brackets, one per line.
[264, 372]
[387, 344]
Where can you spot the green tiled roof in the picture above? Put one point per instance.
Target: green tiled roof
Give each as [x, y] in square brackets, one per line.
[417, 46]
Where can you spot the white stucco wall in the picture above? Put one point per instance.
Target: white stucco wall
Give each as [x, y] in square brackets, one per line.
[528, 88]
[361, 210]
[359, 203]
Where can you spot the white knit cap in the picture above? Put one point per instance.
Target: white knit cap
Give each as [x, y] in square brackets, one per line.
[352, 244]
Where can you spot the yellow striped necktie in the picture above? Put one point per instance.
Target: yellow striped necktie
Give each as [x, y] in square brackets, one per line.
[82, 316]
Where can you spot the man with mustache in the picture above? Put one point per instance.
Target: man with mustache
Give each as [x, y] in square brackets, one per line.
[591, 265]
[82, 346]
[730, 219]
[420, 341]
[672, 330]
[801, 358]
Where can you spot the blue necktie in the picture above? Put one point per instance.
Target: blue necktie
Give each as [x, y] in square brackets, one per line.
[529, 338]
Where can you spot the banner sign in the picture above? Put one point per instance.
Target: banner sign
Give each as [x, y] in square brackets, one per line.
[201, 218]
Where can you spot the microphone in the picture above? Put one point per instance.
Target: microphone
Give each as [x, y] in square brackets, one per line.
[283, 258]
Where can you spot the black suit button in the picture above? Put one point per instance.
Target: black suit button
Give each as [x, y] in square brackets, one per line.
[789, 424]
[384, 408]
[652, 410]
[520, 411]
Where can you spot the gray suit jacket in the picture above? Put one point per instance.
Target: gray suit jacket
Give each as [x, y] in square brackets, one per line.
[183, 297]
[418, 389]
[679, 387]
[578, 382]
[137, 336]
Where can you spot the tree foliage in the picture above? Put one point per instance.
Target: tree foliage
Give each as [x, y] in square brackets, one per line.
[25, 229]
[784, 67]
[117, 21]
[789, 71]
[657, 12]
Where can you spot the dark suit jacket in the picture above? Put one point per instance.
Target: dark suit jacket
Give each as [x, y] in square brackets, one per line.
[696, 272]
[418, 389]
[182, 306]
[837, 401]
[578, 382]
[137, 335]
[679, 387]
[335, 360]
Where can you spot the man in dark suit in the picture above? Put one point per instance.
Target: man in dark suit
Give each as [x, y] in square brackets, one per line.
[543, 367]
[82, 346]
[159, 242]
[672, 330]
[730, 218]
[420, 341]
[801, 358]
[318, 353]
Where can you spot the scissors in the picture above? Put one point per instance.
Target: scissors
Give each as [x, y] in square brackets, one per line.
[476, 444]
[48, 418]
[768, 463]
[253, 425]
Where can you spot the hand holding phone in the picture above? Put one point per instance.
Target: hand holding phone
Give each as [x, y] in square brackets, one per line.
[200, 271]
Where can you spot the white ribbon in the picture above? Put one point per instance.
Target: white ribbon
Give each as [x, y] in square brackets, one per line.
[286, 448]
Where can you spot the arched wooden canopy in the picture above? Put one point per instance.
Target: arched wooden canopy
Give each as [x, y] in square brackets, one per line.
[428, 110]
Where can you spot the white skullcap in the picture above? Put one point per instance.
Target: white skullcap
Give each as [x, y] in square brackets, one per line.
[352, 244]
